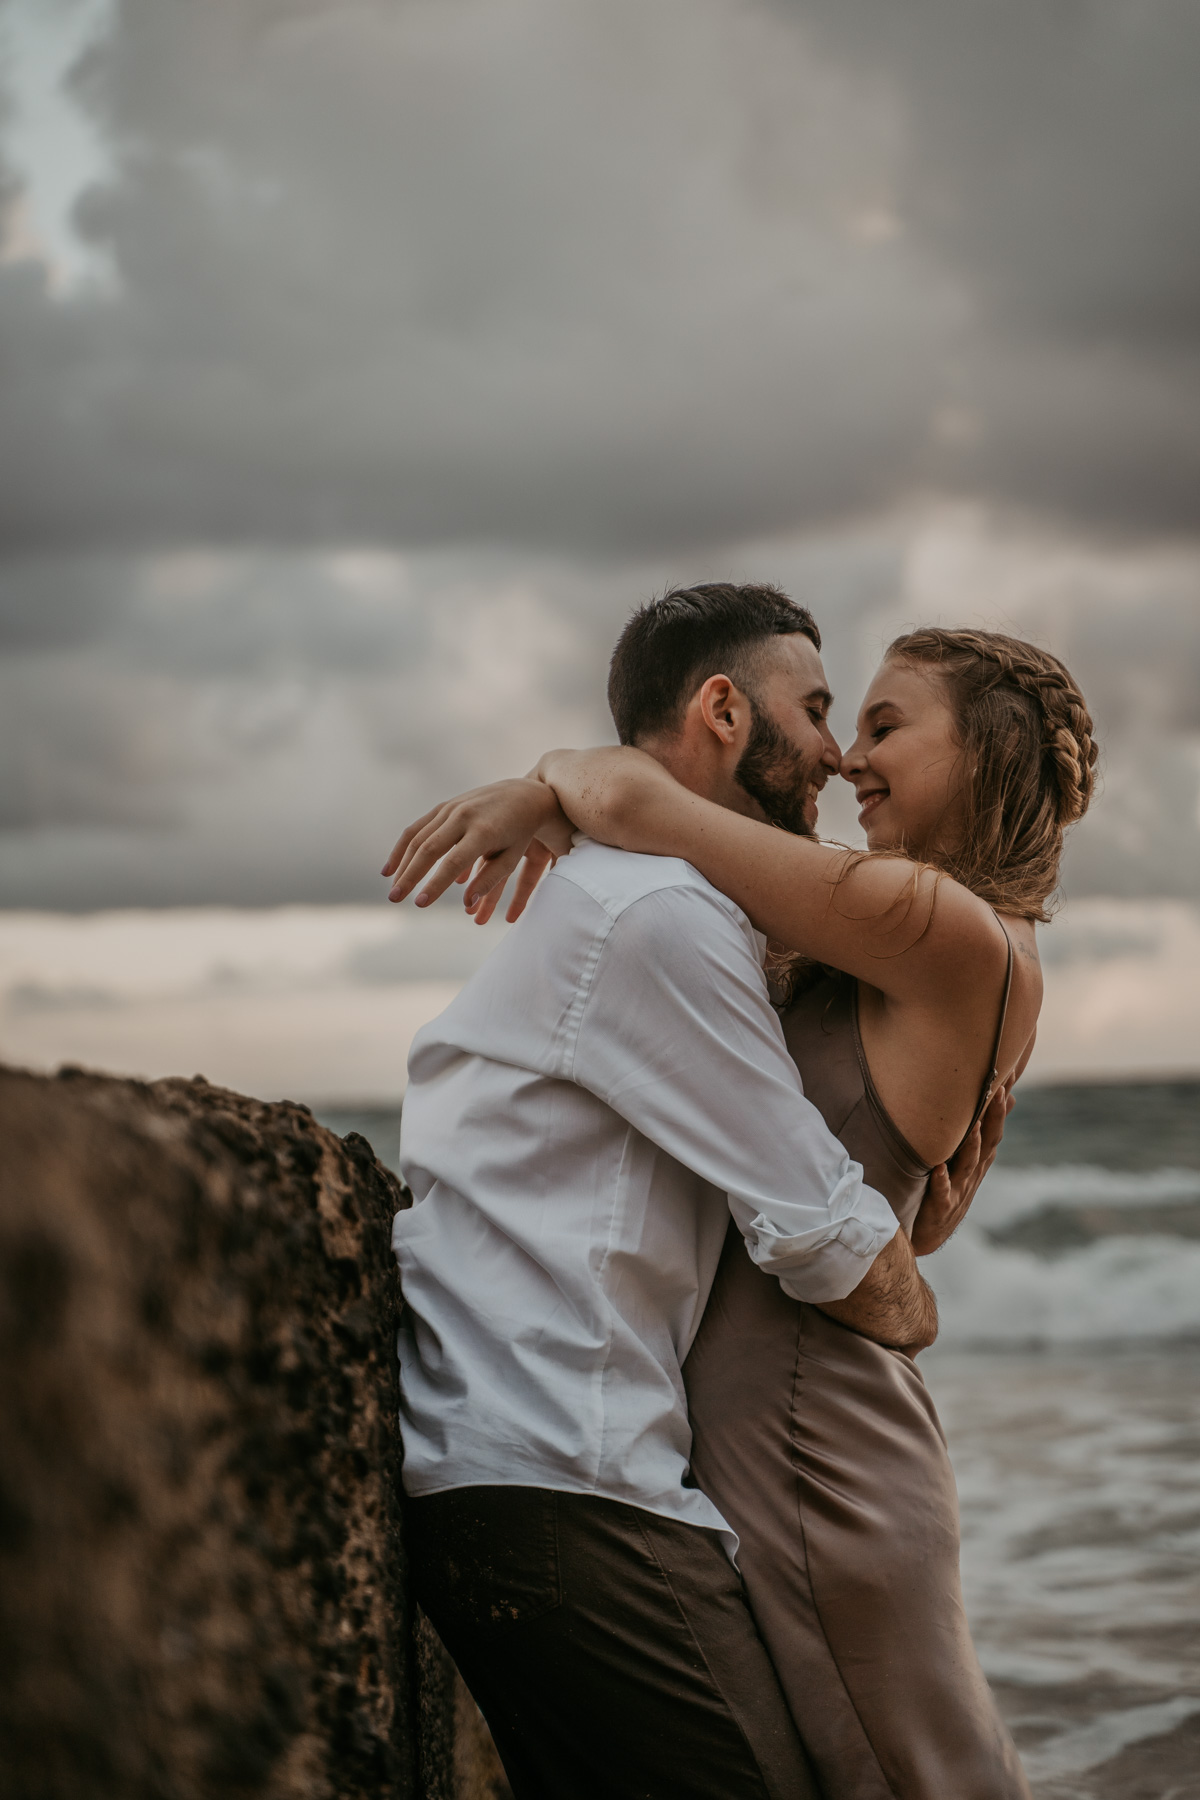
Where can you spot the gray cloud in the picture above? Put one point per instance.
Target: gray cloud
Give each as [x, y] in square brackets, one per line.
[340, 695]
[1046, 158]
[1048, 152]
[1139, 665]
[439, 333]
[617, 278]
[620, 277]
[256, 727]
[59, 602]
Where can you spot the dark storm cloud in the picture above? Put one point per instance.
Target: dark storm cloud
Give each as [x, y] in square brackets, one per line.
[273, 752]
[57, 602]
[590, 276]
[1051, 152]
[1050, 158]
[200, 613]
[553, 305]
[616, 276]
[253, 728]
[1139, 666]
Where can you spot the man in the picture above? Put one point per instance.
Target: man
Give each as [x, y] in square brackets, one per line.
[579, 1125]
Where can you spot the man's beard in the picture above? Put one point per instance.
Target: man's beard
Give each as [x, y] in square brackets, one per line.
[776, 774]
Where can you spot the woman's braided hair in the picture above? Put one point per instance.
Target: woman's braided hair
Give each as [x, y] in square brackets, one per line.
[1030, 760]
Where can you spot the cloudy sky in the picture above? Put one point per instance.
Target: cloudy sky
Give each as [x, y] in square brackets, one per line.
[364, 361]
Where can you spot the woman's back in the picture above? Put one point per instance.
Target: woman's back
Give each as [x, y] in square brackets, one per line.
[821, 1028]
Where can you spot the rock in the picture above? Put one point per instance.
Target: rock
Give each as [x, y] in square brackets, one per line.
[202, 1578]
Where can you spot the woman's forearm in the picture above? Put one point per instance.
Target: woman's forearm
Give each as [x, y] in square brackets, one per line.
[873, 917]
[626, 798]
[621, 797]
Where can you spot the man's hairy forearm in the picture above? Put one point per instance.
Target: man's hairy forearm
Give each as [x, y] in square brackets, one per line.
[891, 1304]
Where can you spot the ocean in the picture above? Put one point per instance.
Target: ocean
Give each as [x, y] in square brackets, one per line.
[1068, 1379]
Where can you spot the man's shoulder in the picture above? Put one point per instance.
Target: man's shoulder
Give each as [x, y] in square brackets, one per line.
[615, 879]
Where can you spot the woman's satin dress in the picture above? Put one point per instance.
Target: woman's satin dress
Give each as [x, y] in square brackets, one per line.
[824, 1452]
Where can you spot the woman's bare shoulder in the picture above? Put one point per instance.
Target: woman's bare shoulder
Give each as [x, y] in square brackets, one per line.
[958, 948]
[931, 1050]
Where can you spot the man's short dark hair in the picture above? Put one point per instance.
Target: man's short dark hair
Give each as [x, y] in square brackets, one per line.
[672, 645]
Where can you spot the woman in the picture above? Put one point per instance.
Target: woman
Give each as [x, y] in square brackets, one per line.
[918, 993]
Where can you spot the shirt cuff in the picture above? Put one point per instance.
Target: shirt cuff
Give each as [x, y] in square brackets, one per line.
[833, 1268]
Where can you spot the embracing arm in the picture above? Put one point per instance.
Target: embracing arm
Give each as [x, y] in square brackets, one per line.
[812, 1254]
[490, 831]
[892, 1304]
[893, 923]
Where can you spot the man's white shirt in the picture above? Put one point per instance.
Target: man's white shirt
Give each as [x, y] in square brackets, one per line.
[579, 1125]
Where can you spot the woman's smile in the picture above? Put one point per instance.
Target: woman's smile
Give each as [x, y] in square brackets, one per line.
[868, 801]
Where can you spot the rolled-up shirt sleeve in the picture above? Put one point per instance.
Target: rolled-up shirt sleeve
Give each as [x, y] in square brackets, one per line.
[674, 1030]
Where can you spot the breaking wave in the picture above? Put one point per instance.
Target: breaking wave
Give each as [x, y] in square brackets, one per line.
[1119, 1259]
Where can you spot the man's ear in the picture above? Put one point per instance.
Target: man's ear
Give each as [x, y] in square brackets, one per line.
[723, 708]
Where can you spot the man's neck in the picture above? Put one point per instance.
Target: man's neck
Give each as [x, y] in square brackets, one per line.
[710, 776]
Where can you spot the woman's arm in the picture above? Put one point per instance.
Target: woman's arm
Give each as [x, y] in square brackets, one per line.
[896, 924]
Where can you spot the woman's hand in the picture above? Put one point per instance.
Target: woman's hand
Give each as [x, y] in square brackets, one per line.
[953, 1185]
[481, 837]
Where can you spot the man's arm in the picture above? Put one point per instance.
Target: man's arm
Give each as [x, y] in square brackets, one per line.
[678, 1036]
[892, 1303]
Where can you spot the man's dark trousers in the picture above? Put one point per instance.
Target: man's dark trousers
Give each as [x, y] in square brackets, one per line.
[611, 1651]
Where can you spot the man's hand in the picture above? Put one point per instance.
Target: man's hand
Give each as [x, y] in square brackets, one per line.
[953, 1186]
[892, 1305]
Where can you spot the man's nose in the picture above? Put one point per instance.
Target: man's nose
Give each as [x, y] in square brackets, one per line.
[831, 756]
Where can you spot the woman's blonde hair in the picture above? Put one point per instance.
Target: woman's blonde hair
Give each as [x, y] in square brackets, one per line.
[1028, 765]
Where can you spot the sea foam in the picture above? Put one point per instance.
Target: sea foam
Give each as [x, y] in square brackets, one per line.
[1121, 1287]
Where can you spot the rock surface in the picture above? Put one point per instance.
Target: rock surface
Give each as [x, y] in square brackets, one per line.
[202, 1578]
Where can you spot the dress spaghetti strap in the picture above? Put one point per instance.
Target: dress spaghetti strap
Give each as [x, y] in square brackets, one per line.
[990, 1083]
[883, 1117]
